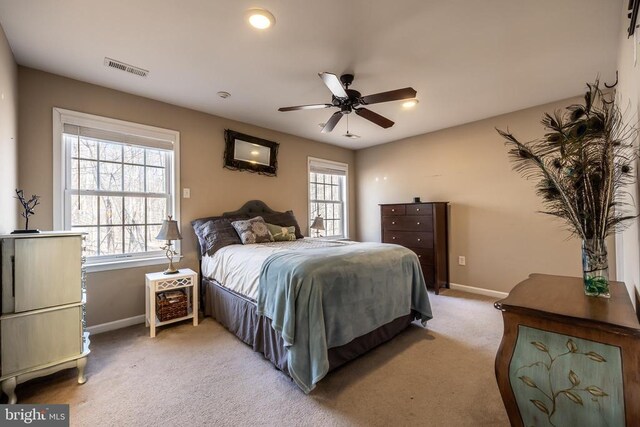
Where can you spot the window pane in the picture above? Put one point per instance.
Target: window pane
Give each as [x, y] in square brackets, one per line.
[87, 150]
[155, 180]
[134, 239]
[155, 158]
[156, 210]
[133, 155]
[110, 210]
[110, 176]
[84, 210]
[134, 178]
[313, 193]
[329, 211]
[110, 152]
[110, 240]
[90, 243]
[152, 243]
[134, 210]
[84, 174]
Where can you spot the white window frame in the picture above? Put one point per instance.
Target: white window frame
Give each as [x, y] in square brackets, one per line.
[333, 165]
[61, 210]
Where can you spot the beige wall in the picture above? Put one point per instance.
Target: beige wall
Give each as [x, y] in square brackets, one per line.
[114, 295]
[628, 96]
[8, 136]
[493, 219]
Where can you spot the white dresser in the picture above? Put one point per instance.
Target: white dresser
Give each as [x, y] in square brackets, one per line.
[42, 296]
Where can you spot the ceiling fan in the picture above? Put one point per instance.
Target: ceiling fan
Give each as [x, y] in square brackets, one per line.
[349, 100]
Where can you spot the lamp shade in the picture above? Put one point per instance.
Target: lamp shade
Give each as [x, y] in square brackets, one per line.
[169, 230]
[318, 223]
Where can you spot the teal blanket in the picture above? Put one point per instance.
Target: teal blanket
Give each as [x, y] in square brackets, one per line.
[325, 297]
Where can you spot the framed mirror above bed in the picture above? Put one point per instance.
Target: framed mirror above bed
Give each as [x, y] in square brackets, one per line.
[246, 152]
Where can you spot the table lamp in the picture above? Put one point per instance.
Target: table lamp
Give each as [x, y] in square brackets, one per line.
[169, 232]
[318, 225]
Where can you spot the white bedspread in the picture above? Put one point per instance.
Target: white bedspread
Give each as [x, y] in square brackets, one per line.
[237, 267]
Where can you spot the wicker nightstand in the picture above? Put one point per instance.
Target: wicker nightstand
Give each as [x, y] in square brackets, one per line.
[186, 279]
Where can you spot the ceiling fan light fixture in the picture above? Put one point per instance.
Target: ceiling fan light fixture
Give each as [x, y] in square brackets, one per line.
[260, 18]
[351, 135]
[409, 104]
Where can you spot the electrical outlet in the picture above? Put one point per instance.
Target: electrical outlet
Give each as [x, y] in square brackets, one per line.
[186, 193]
[462, 260]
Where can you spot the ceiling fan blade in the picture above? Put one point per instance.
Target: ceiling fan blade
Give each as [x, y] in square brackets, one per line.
[374, 117]
[332, 122]
[305, 107]
[333, 83]
[392, 95]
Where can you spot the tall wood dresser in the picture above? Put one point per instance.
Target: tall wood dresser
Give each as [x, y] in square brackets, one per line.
[423, 228]
[42, 296]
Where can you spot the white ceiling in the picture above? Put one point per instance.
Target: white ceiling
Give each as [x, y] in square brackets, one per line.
[468, 60]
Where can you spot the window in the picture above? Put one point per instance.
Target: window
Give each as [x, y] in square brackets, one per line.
[116, 181]
[328, 196]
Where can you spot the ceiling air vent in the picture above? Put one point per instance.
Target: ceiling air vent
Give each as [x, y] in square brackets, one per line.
[125, 67]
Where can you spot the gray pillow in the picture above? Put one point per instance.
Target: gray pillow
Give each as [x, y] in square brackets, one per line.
[282, 234]
[252, 230]
[198, 223]
[215, 234]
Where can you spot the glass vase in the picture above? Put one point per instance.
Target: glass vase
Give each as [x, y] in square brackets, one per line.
[595, 268]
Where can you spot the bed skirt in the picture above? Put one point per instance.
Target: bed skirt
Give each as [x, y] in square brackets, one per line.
[238, 315]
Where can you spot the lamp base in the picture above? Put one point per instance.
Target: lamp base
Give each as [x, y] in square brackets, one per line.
[168, 271]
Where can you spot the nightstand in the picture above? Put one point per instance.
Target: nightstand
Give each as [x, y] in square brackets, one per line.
[185, 279]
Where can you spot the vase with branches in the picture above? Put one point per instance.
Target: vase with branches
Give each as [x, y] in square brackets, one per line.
[27, 209]
[582, 165]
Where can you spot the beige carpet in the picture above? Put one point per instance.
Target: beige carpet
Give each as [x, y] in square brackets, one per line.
[193, 376]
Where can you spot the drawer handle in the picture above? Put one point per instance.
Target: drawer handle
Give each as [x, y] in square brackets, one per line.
[393, 223]
[417, 209]
[419, 256]
[418, 223]
[393, 210]
[419, 239]
[394, 237]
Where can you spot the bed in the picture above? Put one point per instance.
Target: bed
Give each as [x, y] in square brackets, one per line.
[308, 305]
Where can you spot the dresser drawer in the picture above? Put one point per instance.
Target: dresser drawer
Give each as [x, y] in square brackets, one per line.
[420, 209]
[408, 223]
[425, 255]
[388, 210]
[409, 238]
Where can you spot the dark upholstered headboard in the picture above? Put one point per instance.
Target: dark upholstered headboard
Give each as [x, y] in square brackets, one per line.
[252, 208]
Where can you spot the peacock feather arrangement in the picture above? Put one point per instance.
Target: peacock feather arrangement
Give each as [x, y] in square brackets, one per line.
[582, 165]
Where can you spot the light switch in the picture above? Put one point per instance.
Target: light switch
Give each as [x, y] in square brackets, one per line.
[186, 193]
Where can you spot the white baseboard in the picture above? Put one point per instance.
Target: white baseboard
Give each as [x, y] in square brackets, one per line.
[116, 324]
[480, 291]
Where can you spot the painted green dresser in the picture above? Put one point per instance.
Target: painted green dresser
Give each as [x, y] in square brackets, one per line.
[567, 359]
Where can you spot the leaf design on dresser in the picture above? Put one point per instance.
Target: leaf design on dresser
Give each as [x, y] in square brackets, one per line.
[540, 346]
[595, 356]
[574, 378]
[540, 406]
[575, 398]
[528, 381]
[545, 383]
[596, 391]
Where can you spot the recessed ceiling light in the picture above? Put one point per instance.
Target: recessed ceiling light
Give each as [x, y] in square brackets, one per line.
[410, 103]
[224, 95]
[260, 18]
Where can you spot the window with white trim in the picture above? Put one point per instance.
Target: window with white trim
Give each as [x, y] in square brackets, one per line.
[328, 196]
[118, 182]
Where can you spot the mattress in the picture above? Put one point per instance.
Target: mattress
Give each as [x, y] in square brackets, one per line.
[237, 267]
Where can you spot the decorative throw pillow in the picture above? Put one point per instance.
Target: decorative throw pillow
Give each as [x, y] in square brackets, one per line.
[197, 225]
[284, 219]
[252, 230]
[216, 234]
[282, 234]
